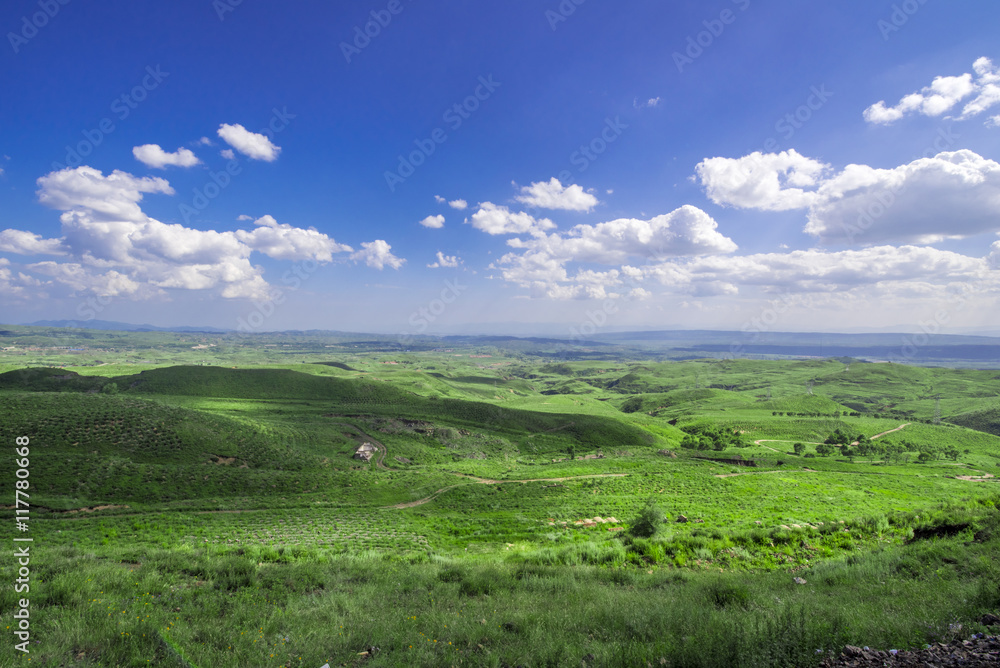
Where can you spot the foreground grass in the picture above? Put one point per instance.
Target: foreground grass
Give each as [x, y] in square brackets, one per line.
[260, 606]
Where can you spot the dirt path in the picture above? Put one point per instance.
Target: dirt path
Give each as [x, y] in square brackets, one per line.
[733, 475]
[890, 431]
[487, 481]
[762, 441]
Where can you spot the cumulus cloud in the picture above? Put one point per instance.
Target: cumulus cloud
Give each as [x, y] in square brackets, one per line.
[494, 219]
[951, 195]
[29, 243]
[542, 264]
[439, 199]
[17, 288]
[445, 261]
[553, 195]
[284, 242]
[113, 248]
[83, 279]
[772, 181]
[152, 155]
[114, 197]
[682, 232]
[251, 144]
[459, 204]
[378, 255]
[944, 94]
[433, 222]
[889, 269]
[228, 154]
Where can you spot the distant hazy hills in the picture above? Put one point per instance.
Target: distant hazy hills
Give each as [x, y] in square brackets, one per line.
[120, 326]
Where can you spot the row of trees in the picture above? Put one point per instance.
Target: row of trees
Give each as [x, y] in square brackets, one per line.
[712, 438]
[863, 447]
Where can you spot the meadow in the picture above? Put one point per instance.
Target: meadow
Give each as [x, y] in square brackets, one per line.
[195, 501]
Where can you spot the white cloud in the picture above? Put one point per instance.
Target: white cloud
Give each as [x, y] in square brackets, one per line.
[152, 155]
[686, 231]
[228, 154]
[772, 181]
[439, 199]
[112, 198]
[944, 93]
[553, 195]
[284, 242]
[243, 216]
[951, 195]
[459, 204]
[652, 102]
[82, 279]
[445, 261]
[889, 270]
[113, 247]
[204, 141]
[250, 144]
[378, 255]
[433, 222]
[541, 266]
[494, 219]
[28, 243]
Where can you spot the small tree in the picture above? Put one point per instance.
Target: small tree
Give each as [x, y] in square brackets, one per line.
[110, 388]
[799, 449]
[649, 520]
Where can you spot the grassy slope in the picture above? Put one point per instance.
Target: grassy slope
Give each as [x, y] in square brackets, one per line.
[156, 437]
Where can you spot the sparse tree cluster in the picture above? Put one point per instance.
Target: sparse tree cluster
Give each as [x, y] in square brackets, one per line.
[712, 438]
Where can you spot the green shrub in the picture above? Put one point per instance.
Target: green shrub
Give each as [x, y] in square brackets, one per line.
[649, 521]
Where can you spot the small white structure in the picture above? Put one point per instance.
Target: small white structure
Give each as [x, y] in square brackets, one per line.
[365, 451]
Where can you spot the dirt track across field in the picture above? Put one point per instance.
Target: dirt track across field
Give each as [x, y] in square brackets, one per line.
[733, 475]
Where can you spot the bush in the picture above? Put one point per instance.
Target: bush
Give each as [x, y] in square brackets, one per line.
[728, 594]
[649, 521]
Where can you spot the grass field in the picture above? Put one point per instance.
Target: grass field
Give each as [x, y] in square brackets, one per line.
[185, 512]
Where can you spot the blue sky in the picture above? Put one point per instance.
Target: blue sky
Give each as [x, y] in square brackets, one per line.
[732, 164]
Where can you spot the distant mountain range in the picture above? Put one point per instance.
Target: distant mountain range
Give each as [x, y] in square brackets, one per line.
[120, 326]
